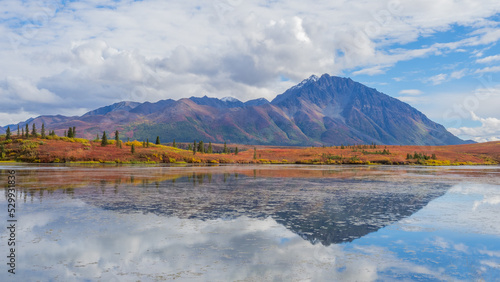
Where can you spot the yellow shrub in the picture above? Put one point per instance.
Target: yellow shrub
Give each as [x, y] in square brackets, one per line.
[135, 143]
[81, 140]
[194, 160]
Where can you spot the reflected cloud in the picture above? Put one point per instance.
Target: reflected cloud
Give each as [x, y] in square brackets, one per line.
[194, 224]
[152, 247]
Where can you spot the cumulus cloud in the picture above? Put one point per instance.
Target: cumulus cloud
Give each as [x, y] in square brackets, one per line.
[20, 96]
[488, 131]
[92, 54]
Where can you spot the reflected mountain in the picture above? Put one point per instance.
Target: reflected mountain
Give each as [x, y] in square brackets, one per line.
[320, 210]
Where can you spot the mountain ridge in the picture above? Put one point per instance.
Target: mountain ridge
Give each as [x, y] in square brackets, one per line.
[326, 110]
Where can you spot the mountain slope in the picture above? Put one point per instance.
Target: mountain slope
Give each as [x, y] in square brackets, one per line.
[324, 110]
[334, 110]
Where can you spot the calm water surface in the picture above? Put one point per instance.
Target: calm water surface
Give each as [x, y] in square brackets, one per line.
[254, 223]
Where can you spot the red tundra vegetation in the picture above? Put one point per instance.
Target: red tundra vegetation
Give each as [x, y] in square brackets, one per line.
[55, 149]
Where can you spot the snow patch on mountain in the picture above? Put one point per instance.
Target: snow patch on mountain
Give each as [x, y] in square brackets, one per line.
[229, 99]
[312, 78]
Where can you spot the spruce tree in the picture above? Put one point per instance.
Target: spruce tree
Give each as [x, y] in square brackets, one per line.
[189, 147]
[33, 131]
[117, 135]
[65, 135]
[225, 148]
[144, 144]
[104, 140]
[70, 132]
[74, 132]
[157, 140]
[254, 153]
[43, 131]
[210, 150]
[147, 142]
[174, 145]
[201, 147]
[27, 131]
[132, 149]
[22, 132]
[7, 133]
[194, 147]
[97, 137]
[18, 130]
[236, 151]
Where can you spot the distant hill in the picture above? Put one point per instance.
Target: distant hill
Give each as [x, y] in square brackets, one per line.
[324, 110]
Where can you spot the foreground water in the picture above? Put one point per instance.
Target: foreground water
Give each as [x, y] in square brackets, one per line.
[253, 223]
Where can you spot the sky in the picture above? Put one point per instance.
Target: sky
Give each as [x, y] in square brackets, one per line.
[68, 57]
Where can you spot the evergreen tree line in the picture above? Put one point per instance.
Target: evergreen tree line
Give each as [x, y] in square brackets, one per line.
[371, 146]
[420, 156]
[26, 133]
[196, 147]
[200, 147]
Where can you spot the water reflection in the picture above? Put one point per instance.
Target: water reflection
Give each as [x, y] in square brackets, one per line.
[215, 224]
[329, 210]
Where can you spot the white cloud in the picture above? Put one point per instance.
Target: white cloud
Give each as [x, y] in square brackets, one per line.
[371, 70]
[410, 92]
[411, 99]
[444, 77]
[438, 79]
[24, 89]
[15, 117]
[488, 69]
[489, 59]
[458, 74]
[153, 50]
[488, 131]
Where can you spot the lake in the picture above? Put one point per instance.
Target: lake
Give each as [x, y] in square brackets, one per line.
[253, 223]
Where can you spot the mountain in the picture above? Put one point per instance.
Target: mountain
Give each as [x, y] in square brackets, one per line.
[324, 110]
[338, 110]
[126, 106]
